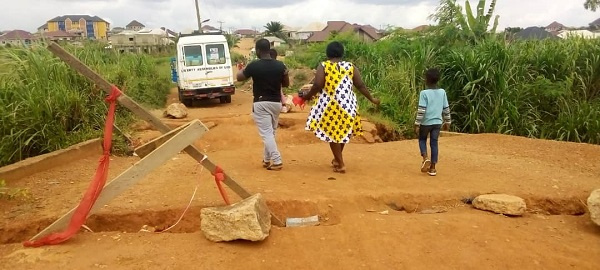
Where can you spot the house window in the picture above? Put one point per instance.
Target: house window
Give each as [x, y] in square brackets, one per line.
[216, 54]
[130, 39]
[193, 55]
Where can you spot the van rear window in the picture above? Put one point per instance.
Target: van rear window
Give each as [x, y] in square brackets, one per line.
[216, 54]
[193, 55]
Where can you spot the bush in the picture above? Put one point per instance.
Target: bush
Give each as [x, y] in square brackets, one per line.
[46, 106]
[544, 89]
[237, 57]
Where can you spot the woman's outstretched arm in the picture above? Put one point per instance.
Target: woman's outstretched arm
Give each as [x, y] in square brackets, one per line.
[317, 85]
[362, 88]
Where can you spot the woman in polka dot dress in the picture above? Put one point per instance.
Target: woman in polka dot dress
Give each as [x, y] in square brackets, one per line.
[335, 118]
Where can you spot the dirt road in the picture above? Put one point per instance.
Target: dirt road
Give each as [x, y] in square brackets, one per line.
[553, 177]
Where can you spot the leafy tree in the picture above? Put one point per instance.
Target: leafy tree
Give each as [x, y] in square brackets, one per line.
[591, 4]
[513, 30]
[445, 14]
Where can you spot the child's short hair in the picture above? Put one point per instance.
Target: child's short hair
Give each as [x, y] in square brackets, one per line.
[273, 53]
[432, 76]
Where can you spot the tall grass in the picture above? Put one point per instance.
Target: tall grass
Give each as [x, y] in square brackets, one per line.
[45, 105]
[544, 89]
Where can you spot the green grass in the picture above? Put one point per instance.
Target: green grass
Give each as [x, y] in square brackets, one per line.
[45, 105]
[545, 89]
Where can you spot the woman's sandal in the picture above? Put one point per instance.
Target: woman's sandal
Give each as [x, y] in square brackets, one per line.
[334, 163]
[339, 170]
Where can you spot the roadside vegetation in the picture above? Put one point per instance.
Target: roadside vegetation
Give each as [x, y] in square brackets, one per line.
[537, 88]
[46, 106]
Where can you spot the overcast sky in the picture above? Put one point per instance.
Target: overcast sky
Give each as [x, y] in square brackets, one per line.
[179, 15]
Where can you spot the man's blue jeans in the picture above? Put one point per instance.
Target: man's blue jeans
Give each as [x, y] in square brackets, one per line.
[434, 133]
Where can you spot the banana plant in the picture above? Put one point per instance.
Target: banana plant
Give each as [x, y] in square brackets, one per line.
[476, 25]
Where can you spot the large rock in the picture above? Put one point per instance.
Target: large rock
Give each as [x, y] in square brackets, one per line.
[501, 204]
[249, 219]
[593, 203]
[370, 132]
[177, 111]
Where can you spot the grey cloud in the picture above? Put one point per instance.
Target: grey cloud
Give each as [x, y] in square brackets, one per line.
[253, 3]
[393, 2]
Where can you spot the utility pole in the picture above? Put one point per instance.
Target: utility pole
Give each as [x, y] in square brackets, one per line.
[221, 25]
[198, 16]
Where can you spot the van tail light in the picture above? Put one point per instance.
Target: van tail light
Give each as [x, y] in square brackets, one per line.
[228, 89]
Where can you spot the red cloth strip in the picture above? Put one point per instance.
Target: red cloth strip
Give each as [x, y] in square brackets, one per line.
[219, 175]
[95, 187]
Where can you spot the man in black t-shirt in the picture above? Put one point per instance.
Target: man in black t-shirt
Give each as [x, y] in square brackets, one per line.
[268, 76]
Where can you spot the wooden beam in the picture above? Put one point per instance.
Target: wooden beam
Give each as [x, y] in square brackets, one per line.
[138, 110]
[137, 172]
[147, 148]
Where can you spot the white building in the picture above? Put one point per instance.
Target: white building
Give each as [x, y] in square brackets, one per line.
[275, 41]
[145, 40]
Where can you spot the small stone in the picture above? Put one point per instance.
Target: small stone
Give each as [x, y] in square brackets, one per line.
[147, 228]
[593, 203]
[176, 110]
[501, 204]
[249, 219]
[433, 211]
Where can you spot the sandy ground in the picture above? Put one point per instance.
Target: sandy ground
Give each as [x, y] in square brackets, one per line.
[553, 177]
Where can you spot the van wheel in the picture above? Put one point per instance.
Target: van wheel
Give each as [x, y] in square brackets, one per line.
[225, 99]
[188, 102]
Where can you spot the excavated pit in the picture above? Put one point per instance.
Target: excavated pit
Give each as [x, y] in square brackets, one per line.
[330, 213]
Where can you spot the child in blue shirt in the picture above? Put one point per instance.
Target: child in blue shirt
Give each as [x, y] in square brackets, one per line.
[433, 115]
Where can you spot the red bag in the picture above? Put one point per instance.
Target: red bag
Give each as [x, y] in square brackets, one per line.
[298, 101]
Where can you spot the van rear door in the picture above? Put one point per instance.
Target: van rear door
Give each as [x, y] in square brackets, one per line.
[218, 68]
[193, 62]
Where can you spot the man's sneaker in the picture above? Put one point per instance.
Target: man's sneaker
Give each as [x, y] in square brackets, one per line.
[266, 164]
[275, 167]
[432, 172]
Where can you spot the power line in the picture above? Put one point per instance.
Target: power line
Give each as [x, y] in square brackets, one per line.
[221, 25]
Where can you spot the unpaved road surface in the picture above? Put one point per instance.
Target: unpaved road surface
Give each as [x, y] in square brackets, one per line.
[553, 177]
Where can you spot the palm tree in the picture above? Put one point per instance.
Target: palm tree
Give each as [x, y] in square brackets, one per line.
[274, 29]
[232, 40]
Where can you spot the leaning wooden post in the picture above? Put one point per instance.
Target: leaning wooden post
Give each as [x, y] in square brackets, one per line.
[142, 113]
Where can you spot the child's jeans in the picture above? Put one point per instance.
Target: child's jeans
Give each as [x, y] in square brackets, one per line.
[434, 133]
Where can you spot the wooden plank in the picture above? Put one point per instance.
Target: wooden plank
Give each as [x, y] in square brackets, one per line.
[136, 173]
[138, 110]
[147, 148]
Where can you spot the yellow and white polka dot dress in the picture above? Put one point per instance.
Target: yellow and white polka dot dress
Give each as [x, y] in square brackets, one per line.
[335, 118]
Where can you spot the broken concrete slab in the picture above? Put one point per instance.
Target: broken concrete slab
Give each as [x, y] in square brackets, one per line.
[249, 219]
[593, 203]
[501, 204]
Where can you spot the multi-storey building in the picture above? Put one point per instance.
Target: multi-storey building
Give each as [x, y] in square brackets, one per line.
[91, 27]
